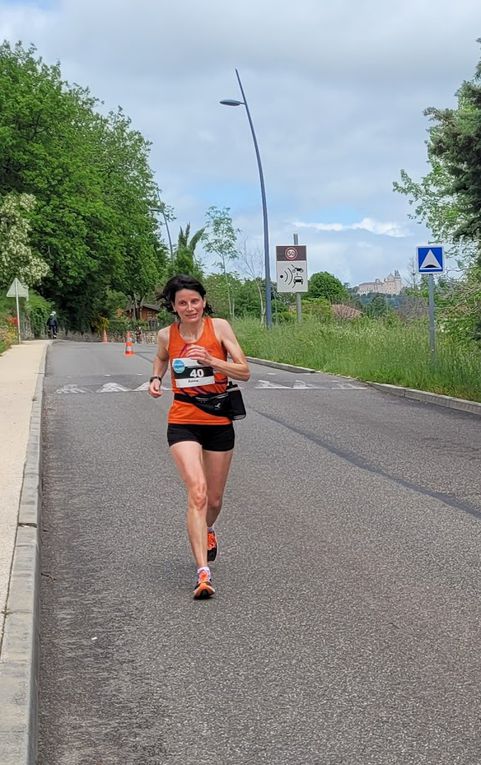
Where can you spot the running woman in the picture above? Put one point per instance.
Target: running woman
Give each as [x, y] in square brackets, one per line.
[197, 347]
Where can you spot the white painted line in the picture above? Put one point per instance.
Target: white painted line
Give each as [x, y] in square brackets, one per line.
[73, 388]
[300, 384]
[267, 384]
[112, 388]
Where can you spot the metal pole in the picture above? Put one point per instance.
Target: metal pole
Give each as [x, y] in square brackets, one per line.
[168, 235]
[264, 212]
[162, 210]
[432, 331]
[18, 312]
[298, 294]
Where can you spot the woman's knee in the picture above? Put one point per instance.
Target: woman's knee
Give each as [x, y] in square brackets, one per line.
[215, 502]
[198, 495]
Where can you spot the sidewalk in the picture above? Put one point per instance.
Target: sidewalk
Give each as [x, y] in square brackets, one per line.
[21, 377]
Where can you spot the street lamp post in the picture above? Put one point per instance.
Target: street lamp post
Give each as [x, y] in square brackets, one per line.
[232, 102]
[161, 209]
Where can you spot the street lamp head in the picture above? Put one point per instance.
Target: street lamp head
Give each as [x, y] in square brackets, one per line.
[231, 102]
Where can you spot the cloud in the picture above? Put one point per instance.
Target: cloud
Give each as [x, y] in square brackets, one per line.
[366, 224]
[337, 107]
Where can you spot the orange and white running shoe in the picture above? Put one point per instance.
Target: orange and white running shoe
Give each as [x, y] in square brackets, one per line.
[203, 589]
[211, 546]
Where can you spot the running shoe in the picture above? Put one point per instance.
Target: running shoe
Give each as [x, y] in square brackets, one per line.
[211, 546]
[203, 588]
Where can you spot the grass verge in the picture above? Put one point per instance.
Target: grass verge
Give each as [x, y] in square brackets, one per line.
[389, 352]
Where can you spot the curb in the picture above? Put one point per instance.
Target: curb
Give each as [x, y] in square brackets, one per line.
[426, 397]
[20, 647]
[438, 399]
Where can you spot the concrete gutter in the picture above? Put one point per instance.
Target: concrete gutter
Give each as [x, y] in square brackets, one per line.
[20, 645]
[412, 393]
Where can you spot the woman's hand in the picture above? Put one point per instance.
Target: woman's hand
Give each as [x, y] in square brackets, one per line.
[200, 354]
[155, 388]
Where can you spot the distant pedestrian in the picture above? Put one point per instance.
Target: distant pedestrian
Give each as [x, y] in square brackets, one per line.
[201, 442]
[52, 325]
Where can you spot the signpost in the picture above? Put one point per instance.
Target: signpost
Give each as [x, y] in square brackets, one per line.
[17, 290]
[431, 261]
[292, 270]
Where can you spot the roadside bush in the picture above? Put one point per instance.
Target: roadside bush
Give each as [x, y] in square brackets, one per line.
[37, 310]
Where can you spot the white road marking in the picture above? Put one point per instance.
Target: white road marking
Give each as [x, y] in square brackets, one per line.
[267, 384]
[112, 388]
[300, 384]
[71, 388]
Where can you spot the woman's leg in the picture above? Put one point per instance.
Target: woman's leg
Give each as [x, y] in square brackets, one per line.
[189, 461]
[216, 470]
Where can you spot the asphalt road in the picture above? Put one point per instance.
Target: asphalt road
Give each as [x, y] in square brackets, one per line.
[346, 625]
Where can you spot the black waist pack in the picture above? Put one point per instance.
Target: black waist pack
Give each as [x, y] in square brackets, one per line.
[229, 404]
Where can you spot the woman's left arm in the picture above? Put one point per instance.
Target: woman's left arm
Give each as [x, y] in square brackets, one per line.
[238, 368]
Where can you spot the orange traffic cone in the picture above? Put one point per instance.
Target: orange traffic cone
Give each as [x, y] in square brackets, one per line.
[129, 346]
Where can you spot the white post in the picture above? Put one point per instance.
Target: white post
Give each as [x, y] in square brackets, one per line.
[18, 312]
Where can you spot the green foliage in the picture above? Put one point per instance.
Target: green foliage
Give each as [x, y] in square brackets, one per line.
[93, 222]
[37, 310]
[448, 200]
[185, 261]
[319, 308]
[377, 306]
[220, 240]
[370, 349]
[8, 329]
[16, 257]
[325, 285]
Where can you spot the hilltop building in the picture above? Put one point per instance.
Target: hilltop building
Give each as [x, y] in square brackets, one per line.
[391, 285]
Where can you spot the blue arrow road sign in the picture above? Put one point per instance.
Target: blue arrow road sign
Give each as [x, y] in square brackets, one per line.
[430, 259]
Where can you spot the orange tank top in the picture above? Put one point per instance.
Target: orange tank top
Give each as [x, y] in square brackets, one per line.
[189, 377]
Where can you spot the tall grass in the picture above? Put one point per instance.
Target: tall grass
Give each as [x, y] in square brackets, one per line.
[370, 349]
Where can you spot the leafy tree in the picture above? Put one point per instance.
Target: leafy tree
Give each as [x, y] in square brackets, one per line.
[93, 223]
[37, 311]
[448, 200]
[325, 285]
[252, 264]
[318, 308]
[377, 306]
[184, 261]
[16, 257]
[222, 291]
[220, 240]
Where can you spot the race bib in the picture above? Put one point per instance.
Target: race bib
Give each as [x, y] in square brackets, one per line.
[189, 373]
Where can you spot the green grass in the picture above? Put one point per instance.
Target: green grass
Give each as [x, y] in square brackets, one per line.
[396, 353]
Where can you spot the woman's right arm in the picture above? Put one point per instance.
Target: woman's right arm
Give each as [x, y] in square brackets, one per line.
[161, 362]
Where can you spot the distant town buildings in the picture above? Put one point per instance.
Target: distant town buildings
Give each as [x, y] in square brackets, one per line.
[391, 285]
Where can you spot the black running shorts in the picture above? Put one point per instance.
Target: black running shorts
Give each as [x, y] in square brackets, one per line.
[212, 438]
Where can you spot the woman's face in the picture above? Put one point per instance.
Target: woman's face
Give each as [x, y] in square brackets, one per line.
[189, 305]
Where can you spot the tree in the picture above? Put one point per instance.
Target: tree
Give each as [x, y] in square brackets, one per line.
[220, 240]
[448, 198]
[16, 257]
[184, 261]
[252, 264]
[327, 286]
[93, 222]
[377, 306]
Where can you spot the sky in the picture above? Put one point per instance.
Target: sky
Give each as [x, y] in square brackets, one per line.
[336, 93]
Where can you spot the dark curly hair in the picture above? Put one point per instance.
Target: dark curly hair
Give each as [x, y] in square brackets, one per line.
[182, 282]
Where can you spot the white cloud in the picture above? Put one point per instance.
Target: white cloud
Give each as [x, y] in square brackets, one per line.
[366, 224]
[337, 106]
